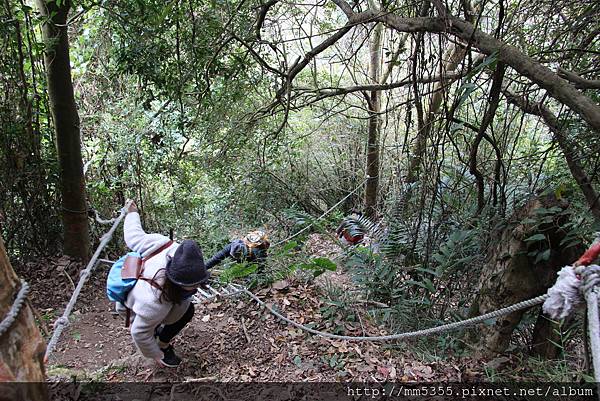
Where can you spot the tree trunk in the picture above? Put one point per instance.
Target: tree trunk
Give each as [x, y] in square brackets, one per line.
[21, 347]
[455, 55]
[512, 273]
[374, 101]
[66, 123]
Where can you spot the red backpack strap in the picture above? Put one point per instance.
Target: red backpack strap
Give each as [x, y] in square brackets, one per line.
[159, 250]
[151, 282]
[144, 260]
[148, 280]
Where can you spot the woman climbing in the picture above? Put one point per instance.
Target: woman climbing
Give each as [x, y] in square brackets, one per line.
[160, 302]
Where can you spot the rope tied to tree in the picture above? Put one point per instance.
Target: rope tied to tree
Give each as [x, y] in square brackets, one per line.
[103, 221]
[16, 307]
[97, 217]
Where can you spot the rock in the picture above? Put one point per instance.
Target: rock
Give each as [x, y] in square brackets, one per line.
[280, 285]
[497, 363]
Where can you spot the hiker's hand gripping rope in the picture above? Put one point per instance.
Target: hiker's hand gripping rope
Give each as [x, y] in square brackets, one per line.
[130, 206]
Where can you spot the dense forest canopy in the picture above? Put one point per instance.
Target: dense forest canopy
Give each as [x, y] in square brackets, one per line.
[439, 120]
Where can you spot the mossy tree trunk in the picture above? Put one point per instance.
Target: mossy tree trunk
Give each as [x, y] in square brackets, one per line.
[66, 123]
[521, 265]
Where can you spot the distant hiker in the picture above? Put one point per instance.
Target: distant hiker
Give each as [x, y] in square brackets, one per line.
[351, 231]
[252, 248]
[160, 301]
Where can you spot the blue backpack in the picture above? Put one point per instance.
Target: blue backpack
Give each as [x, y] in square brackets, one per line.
[117, 287]
[125, 273]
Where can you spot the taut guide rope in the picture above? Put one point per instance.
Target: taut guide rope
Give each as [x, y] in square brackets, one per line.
[400, 336]
[323, 215]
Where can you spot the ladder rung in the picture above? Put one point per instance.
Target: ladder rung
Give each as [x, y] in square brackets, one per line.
[208, 292]
[213, 290]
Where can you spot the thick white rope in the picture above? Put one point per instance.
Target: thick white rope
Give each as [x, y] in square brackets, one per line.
[594, 330]
[103, 221]
[573, 286]
[321, 216]
[63, 321]
[418, 333]
[590, 279]
[13, 313]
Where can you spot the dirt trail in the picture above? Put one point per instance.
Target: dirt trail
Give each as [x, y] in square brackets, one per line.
[230, 339]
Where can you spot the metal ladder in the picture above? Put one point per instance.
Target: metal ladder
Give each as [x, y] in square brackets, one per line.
[209, 292]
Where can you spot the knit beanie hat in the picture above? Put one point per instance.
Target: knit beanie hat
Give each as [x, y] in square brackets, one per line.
[186, 268]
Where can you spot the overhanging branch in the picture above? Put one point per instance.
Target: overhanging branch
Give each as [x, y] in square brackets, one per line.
[556, 86]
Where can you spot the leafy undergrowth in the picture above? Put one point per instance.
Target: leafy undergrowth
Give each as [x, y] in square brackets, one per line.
[232, 339]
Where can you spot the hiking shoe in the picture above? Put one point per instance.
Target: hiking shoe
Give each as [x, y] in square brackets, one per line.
[170, 359]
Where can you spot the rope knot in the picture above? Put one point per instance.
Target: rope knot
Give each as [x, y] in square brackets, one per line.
[564, 295]
[61, 321]
[569, 291]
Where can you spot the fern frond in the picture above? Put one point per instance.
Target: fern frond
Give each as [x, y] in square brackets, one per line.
[357, 224]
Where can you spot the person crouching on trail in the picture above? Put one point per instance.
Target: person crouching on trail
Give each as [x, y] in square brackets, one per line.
[252, 249]
[160, 301]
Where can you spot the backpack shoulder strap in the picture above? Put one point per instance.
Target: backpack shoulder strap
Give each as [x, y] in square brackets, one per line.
[151, 282]
[144, 260]
[159, 250]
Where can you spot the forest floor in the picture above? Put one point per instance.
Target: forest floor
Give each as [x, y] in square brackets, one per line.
[232, 339]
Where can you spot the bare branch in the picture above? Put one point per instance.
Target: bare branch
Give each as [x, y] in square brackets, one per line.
[494, 100]
[556, 86]
[329, 92]
[566, 145]
[256, 56]
[262, 14]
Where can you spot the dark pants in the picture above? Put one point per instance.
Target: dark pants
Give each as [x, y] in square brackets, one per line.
[167, 332]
